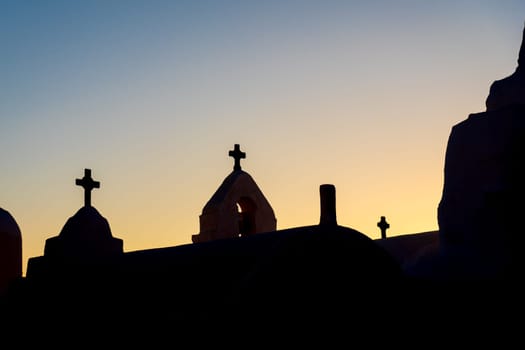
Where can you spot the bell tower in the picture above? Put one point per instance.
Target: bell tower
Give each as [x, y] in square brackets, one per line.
[237, 208]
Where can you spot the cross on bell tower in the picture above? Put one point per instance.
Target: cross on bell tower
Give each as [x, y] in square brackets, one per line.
[237, 155]
[88, 184]
[383, 225]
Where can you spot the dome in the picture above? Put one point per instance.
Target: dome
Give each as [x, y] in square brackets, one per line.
[85, 235]
[10, 250]
[8, 225]
[87, 223]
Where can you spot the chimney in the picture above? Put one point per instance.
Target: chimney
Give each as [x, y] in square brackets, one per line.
[328, 215]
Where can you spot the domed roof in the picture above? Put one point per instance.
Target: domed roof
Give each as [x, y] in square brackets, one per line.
[85, 235]
[10, 250]
[87, 223]
[8, 224]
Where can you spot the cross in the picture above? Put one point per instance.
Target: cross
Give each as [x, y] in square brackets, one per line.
[237, 155]
[383, 225]
[88, 184]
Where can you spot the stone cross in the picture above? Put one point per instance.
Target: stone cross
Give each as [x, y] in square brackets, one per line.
[88, 184]
[383, 225]
[237, 155]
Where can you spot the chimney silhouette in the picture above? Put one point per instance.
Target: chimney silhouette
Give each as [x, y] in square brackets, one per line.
[328, 214]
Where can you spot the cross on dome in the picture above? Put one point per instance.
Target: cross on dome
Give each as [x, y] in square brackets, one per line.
[88, 184]
[383, 225]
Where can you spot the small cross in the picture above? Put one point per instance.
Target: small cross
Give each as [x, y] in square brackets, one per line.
[383, 225]
[237, 155]
[88, 184]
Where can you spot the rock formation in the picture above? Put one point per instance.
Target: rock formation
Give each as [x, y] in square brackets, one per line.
[484, 188]
[510, 90]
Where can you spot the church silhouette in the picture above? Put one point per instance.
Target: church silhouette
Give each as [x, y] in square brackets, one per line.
[241, 272]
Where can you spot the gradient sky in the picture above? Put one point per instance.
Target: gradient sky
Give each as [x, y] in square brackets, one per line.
[151, 95]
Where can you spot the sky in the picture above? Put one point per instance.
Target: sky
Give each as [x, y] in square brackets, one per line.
[151, 96]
